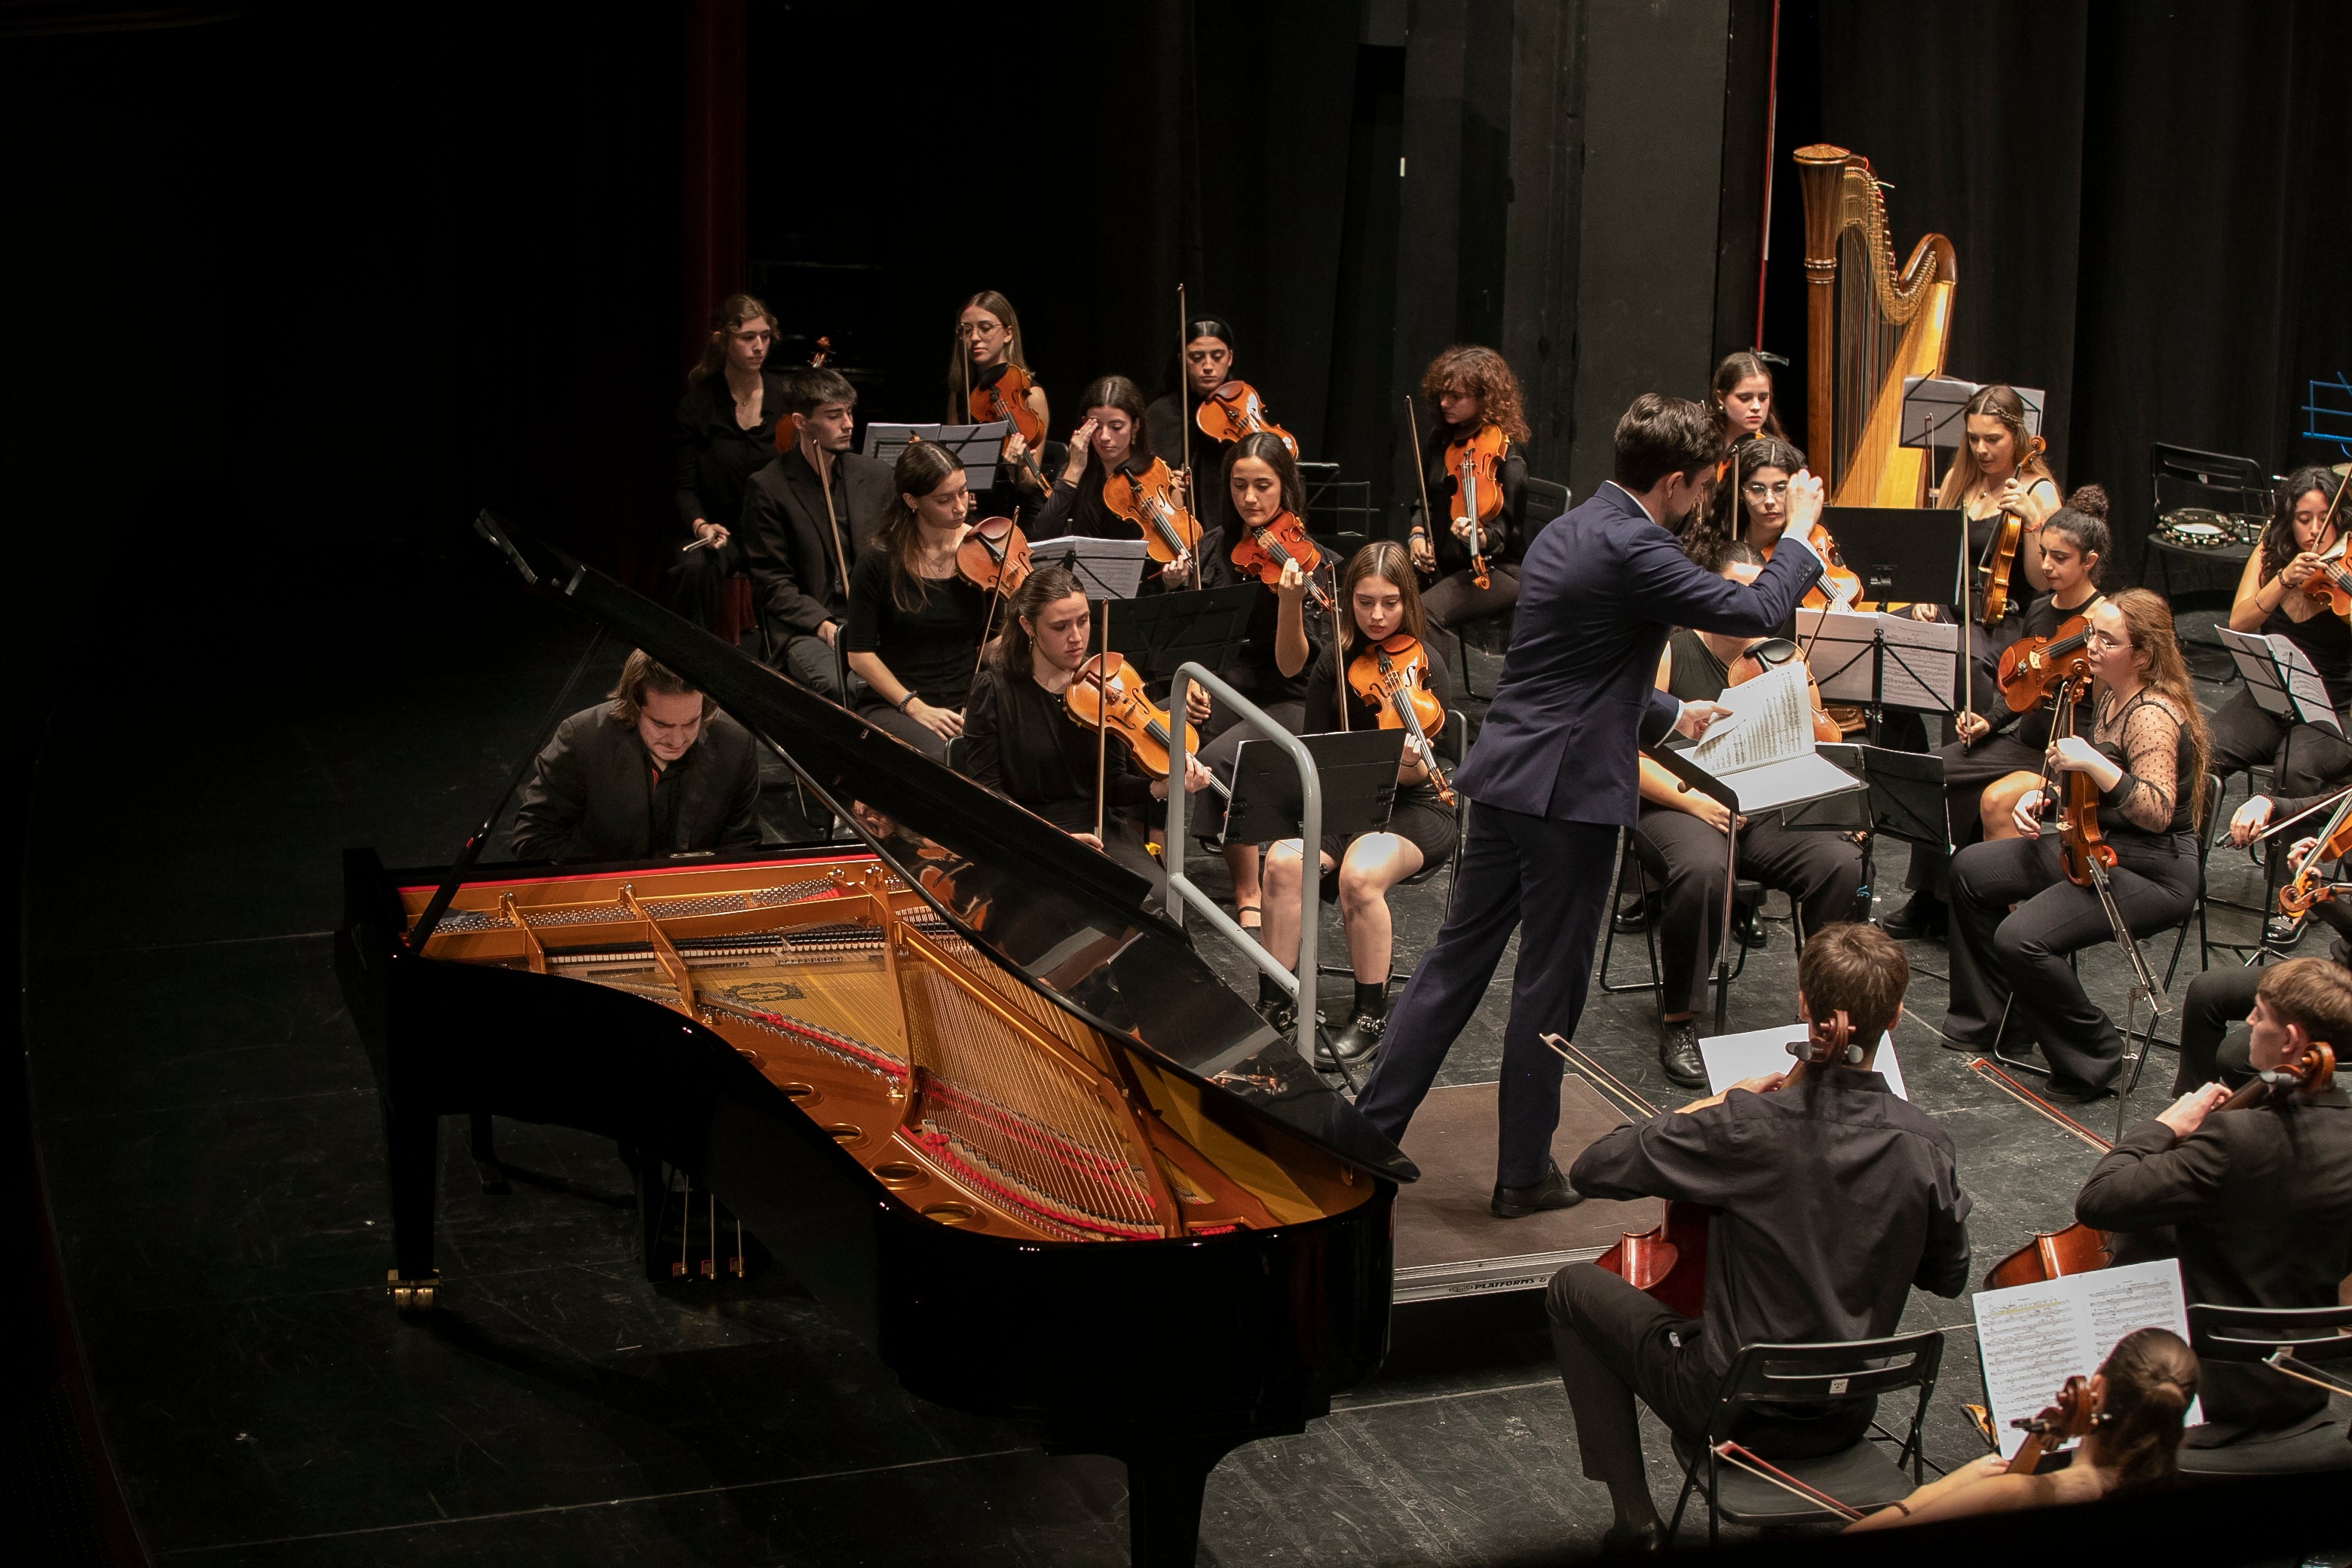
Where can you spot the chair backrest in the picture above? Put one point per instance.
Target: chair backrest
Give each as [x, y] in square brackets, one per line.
[1453, 742]
[2251, 1333]
[2183, 476]
[1546, 500]
[1813, 1374]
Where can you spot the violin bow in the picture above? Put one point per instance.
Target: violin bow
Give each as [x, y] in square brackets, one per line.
[1764, 1470]
[1102, 723]
[1421, 472]
[823, 466]
[1184, 392]
[2001, 1080]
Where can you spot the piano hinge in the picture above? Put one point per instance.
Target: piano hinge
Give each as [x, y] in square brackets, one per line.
[411, 1295]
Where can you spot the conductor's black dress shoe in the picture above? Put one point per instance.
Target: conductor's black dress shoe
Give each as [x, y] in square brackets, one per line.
[1551, 1193]
[1678, 1054]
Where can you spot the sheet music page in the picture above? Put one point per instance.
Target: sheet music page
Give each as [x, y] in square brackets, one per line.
[1771, 720]
[2032, 1338]
[1841, 646]
[1730, 1058]
[2304, 686]
[2140, 1296]
[1922, 662]
[2250, 652]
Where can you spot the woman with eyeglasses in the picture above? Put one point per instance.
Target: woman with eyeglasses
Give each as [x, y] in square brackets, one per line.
[1678, 840]
[2015, 915]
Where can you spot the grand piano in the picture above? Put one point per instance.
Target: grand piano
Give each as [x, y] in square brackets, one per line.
[958, 1078]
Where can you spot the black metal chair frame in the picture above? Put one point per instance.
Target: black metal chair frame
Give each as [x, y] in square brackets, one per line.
[1460, 648]
[1747, 892]
[1855, 1369]
[2219, 472]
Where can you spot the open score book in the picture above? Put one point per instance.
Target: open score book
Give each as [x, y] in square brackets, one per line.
[1764, 749]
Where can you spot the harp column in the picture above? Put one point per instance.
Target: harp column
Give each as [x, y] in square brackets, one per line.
[1820, 169]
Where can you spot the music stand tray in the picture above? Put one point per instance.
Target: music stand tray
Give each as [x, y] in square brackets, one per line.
[1906, 794]
[978, 446]
[1357, 771]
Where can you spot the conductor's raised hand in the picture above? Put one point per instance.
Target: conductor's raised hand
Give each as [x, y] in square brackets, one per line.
[1806, 498]
[1696, 716]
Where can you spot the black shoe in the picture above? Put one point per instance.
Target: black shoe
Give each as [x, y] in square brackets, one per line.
[1633, 912]
[1551, 1193]
[1359, 1039]
[1749, 931]
[1634, 1540]
[1678, 1054]
[1924, 919]
[2281, 932]
[2072, 1093]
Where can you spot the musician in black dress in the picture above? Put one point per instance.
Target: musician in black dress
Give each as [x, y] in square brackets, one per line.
[1377, 601]
[914, 624]
[656, 769]
[1997, 472]
[2272, 600]
[988, 340]
[2147, 755]
[2255, 1203]
[1678, 839]
[725, 432]
[1998, 756]
[806, 516]
[1207, 364]
[1832, 1197]
[1115, 438]
[1464, 388]
[1021, 741]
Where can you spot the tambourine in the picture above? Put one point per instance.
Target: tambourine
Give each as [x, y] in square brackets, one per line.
[2196, 528]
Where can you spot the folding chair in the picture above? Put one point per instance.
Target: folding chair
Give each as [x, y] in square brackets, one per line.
[2316, 1337]
[1859, 1476]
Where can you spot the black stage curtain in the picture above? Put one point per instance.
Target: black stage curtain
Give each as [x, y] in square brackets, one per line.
[2146, 203]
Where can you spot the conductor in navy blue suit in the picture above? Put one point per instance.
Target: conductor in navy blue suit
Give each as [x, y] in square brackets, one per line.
[1552, 774]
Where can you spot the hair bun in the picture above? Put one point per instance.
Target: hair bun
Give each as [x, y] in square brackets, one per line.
[2089, 499]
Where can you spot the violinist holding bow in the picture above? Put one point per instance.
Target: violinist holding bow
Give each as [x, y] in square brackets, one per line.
[1475, 408]
[1832, 1198]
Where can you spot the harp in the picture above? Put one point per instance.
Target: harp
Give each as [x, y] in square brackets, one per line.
[1869, 325]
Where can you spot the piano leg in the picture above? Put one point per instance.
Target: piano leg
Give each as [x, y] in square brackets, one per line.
[481, 1142]
[412, 1144]
[1165, 1476]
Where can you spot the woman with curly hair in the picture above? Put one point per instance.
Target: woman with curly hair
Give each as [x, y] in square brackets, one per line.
[1465, 388]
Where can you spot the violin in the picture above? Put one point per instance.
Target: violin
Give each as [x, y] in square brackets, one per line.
[1840, 587]
[1005, 395]
[1235, 410]
[1393, 674]
[2006, 538]
[2304, 889]
[1262, 550]
[1753, 663]
[1475, 463]
[2032, 667]
[823, 352]
[2060, 1424]
[1106, 694]
[994, 556]
[1149, 500]
[2332, 584]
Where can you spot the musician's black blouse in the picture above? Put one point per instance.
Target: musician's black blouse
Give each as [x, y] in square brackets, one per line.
[1019, 741]
[931, 648]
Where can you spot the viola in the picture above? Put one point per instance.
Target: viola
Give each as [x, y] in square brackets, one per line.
[1476, 461]
[1840, 587]
[994, 556]
[1106, 694]
[1005, 395]
[1771, 654]
[2083, 850]
[1262, 550]
[2006, 537]
[1235, 410]
[2033, 668]
[2071, 1416]
[1393, 674]
[1149, 500]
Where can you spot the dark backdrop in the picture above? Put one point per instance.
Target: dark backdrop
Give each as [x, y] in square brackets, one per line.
[2146, 202]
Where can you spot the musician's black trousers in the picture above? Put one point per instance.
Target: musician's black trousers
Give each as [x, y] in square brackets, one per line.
[2017, 958]
[1967, 771]
[1613, 1342]
[2210, 1048]
[1455, 597]
[1550, 881]
[914, 732]
[702, 578]
[1822, 871]
[2302, 758]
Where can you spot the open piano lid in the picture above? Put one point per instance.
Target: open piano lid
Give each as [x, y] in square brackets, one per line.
[1074, 924]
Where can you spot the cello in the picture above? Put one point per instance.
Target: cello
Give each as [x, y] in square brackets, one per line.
[2076, 1249]
[1393, 675]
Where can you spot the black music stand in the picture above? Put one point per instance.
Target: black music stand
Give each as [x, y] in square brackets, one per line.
[1357, 771]
[1159, 633]
[1906, 802]
[1902, 554]
[1104, 568]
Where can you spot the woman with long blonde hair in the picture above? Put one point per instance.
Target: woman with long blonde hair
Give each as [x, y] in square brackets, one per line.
[2016, 916]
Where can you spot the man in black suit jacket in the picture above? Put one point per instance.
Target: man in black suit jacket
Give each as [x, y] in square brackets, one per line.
[2257, 1202]
[1553, 777]
[656, 771]
[799, 547]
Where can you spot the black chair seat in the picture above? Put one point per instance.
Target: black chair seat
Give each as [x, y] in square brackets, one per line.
[1862, 1477]
[2325, 1446]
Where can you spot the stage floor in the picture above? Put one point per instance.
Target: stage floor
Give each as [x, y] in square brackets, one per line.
[210, 1132]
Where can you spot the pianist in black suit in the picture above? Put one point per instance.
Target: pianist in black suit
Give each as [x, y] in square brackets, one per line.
[1552, 773]
[2256, 1204]
[656, 771]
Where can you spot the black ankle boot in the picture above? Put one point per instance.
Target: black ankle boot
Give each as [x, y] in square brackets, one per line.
[1366, 1021]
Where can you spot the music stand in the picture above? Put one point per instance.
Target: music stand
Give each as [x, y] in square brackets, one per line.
[1903, 554]
[978, 446]
[1104, 568]
[1932, 404]
[2281, 679]
[1161, 632]
[1357, 771]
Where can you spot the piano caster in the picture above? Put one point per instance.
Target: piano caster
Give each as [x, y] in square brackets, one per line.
[410, 1296]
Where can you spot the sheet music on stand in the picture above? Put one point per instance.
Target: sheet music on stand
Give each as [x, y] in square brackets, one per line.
[1104, 568]
[1891, 661]
[978, 446]
[1765, 751]
[2281, 679]
[1933, 408]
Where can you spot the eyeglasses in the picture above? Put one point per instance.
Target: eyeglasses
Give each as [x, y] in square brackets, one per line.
[2105, 643]
[1757, 489]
